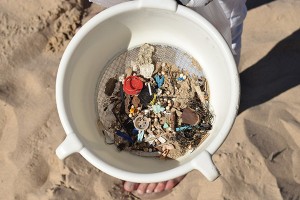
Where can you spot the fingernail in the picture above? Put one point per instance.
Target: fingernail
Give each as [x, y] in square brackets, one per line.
[148, 191]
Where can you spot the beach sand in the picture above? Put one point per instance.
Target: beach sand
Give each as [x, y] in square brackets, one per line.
[260, 159]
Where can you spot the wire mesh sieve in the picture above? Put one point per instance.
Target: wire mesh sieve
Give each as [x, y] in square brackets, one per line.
[117, 65]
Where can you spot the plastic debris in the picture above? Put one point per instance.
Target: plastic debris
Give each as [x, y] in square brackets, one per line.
[159, 80]
[145, 97]
[141, 122]
[132, 85]
[183, 128]
[140, 136]
[159, 109]
[166, 125]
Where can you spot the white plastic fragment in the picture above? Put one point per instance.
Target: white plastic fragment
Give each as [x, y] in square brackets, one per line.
[121, 78]
[149, 88]
[162, 140]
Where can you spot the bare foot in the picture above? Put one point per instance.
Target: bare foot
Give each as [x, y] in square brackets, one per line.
[148, 188]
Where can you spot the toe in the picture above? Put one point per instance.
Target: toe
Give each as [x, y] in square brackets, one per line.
[151, 187]
[172, 183]
[142, 188]
[160, 187]
[129, 186]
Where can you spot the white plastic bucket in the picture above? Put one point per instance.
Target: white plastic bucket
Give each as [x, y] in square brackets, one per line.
[123, 27]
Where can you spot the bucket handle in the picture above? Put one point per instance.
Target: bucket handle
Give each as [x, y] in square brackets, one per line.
[159, 4]
[203, 163]
[70, 145]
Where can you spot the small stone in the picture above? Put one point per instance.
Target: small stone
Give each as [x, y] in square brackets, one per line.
[176, 104]
[135, 101]
[162, 120]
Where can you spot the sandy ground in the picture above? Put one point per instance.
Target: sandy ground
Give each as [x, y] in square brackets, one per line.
[259, 160]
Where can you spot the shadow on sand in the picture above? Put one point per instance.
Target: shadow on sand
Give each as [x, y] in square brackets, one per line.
[274, 74]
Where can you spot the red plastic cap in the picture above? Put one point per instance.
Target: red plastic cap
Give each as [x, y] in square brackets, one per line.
[133, 85]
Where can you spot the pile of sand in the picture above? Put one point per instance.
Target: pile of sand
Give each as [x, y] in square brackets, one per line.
[259, 160]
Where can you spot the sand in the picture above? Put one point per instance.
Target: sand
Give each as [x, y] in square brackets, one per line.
[259, 160]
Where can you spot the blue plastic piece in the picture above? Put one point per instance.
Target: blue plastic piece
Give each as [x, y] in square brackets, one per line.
[183, 128]
[159, 80]
[166, 125]
[135, 131]
[140, 136]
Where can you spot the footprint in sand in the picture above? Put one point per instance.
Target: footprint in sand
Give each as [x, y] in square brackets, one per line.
[32, 176]
[2, 118]
[296, 166]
